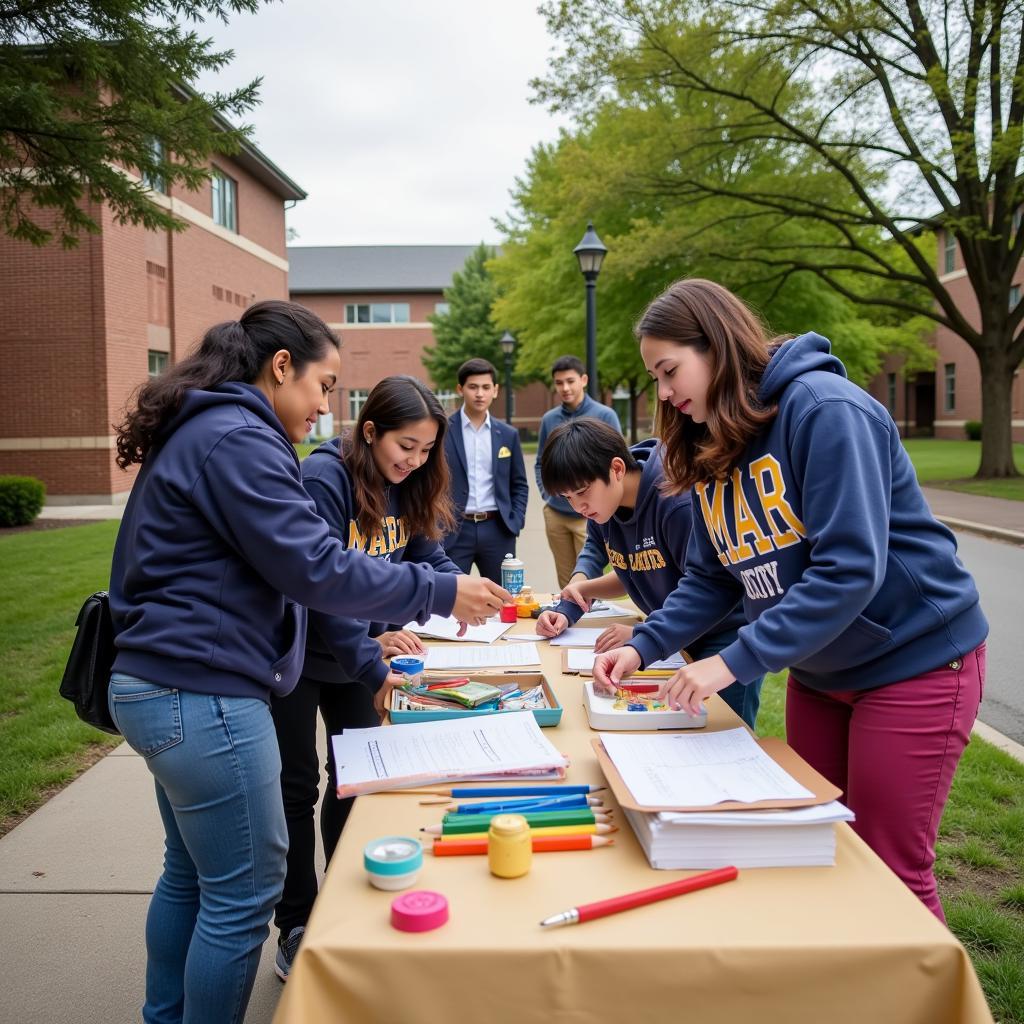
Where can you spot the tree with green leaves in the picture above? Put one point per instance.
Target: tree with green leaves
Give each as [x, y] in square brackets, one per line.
[466, 330]
[915, 109]
[89, 91]
[609, 171]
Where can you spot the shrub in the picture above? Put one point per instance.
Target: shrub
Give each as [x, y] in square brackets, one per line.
[21, 499]
[972, 428]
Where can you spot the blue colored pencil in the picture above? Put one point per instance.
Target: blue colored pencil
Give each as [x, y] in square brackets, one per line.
[502, 791]
[544, 803]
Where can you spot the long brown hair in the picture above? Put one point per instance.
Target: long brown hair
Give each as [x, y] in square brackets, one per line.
[709, 318]
[235, 350]
[425, 496]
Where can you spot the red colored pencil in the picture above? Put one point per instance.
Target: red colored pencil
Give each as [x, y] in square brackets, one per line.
[541, 844]
[629, 900]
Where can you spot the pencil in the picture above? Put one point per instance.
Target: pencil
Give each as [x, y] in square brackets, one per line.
[498, 791]
[541, 844]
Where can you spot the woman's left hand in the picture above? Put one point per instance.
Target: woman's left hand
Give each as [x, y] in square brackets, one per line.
[398, 642]
[693, 684]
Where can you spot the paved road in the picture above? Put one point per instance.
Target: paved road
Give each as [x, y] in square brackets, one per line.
[998, 569]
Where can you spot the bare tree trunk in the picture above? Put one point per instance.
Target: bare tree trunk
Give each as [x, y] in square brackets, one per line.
[634, 396]
[996, 412]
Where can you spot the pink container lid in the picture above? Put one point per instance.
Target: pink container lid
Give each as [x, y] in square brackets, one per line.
[419, 911]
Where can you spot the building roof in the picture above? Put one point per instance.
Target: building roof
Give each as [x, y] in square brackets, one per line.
[373, 268]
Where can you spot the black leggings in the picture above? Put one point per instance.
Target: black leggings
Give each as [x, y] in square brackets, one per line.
[343, 706]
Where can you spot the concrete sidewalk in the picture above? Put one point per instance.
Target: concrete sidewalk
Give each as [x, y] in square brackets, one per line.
[76, 876]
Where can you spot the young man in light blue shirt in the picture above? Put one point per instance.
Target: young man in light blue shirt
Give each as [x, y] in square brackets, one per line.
[566, 530]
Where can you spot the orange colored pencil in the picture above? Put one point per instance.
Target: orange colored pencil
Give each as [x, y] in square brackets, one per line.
[541, 844]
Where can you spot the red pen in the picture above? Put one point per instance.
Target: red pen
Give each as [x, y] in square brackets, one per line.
[638, 899]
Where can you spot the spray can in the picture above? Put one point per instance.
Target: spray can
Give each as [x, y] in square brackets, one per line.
[513, 574]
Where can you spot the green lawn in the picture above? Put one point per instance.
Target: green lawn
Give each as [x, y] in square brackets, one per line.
[42, 745]
[47, 575]
[952, 464]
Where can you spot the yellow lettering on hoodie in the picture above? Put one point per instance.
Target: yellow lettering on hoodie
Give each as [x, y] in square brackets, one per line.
[766, 473]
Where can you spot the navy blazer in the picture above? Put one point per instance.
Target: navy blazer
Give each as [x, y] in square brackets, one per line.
[511, 488]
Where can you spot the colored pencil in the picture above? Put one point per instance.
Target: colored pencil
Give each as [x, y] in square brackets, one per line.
[498, 791]
[629, 900]
[539, 804]
[601, 828]
[541, 844]
[482, 822]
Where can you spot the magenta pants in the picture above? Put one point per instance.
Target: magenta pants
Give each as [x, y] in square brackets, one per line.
[893, 751]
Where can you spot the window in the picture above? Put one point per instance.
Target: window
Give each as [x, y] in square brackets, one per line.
[225, 200]
[949, 387]
[1014, 296]
[155, 181]
[950, 254]
[356, 400]
[441, 308]
[891, 400]
[377, 313]
[156, 294]
[157, 362]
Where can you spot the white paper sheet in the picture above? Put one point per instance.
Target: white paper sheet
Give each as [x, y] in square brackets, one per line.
[495, 656]
[697, 770]
[383, 756]
[605, 610]
[582, 660]
[578, 636]
[448, 629]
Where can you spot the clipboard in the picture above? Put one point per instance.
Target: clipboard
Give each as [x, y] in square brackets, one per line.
[782, 754]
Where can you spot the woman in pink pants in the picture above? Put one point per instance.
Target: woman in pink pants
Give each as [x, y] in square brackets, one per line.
[807, 507]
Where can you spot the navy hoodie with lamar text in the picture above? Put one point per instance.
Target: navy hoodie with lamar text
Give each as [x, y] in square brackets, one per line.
[343, 649]
[220, 547]
[645, 545]
[846, 576]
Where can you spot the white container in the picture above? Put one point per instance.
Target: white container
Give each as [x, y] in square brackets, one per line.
[393, 862]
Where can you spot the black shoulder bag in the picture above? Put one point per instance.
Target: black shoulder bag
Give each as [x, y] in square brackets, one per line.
[87, 674]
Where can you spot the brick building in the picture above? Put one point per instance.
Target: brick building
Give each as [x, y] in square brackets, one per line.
[941, 401]
[81, 329]
[378, 298]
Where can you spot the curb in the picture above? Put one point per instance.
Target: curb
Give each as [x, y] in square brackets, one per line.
[982, 529]
[997, 739]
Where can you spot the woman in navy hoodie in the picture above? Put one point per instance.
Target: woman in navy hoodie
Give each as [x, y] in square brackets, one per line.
[384, 490]
[219, 549]
[807, 506]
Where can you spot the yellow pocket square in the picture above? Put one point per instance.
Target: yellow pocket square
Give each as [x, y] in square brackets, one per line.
[504, 453]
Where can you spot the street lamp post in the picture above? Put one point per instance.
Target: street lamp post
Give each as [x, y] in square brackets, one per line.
[508, 344]
[590, 253]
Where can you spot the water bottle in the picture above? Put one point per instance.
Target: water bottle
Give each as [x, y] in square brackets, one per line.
[513, 574]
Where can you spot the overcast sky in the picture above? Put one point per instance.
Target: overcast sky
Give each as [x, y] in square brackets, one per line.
[406, 121]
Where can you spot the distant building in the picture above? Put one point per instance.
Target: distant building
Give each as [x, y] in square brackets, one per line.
[378, 298]
[81, 329]
[940, 402]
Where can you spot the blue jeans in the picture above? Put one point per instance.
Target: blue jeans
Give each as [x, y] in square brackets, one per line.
[743, 698]
[217, 770]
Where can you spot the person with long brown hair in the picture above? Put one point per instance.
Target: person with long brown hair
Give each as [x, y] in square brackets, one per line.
[218, 552]
[385, 490]
[807, 507]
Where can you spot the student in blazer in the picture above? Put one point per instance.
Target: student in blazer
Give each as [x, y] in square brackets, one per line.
[489, 484]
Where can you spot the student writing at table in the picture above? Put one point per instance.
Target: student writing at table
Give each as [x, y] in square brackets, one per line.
[809, 508]
[640, 531]
[218, 552]
[384, 491]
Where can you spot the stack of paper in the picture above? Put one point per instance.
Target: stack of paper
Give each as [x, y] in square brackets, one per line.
[700, 771]
[496, 747]
[447, 628]
[797, 837]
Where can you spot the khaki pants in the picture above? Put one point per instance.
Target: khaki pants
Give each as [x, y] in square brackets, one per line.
[566, 537]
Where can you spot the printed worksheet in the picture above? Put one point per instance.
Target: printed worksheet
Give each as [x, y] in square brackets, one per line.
[496, 656]
[699, 769]
[582, 660]
[447, 628]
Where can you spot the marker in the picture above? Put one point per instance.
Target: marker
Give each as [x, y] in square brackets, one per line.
[541, 844]
[589, 911]
[601, 828]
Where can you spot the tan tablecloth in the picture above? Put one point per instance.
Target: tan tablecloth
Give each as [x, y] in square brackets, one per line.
[848, 943]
